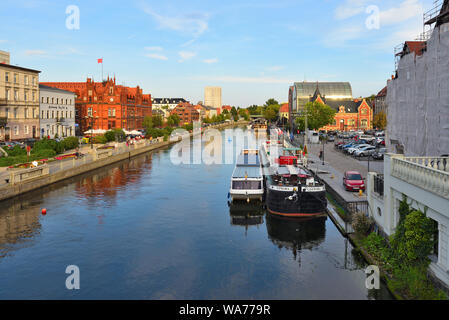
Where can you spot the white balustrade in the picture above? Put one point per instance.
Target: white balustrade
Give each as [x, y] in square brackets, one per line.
[429, 173]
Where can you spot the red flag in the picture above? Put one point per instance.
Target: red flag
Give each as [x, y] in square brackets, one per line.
[100, 60]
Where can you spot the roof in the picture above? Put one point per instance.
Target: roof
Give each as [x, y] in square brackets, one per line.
[284, 108]
[18, 68]
[330, 90]
[168, 100]
[351, 106]
[248, 160]
[47, 88]
[248, 172]
[418, 47]
[383, 92]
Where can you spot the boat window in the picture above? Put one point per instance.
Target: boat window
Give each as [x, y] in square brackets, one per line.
[246, 185]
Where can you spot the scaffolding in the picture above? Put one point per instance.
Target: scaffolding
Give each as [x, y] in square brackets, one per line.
[431, 19]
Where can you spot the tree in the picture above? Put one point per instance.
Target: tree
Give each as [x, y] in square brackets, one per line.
[271, 102]
[318, 116]
[173, 120]
[147, 123]
[244, 114]
[380, 120]
[158, 121]
[270, 113]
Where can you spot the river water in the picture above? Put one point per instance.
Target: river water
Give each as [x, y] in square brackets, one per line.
[146, 228]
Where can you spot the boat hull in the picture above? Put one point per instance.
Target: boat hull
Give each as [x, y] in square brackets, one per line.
[303, 204]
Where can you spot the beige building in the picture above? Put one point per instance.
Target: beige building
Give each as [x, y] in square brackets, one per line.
[19, 103]
[212, 97]
[4, 57]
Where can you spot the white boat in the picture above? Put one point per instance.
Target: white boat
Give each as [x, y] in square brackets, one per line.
[247, 178]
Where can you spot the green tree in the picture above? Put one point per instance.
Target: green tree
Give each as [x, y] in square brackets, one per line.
[271, 102]
[244, 114]
[270, 114]
[158, 121]
[147, 123]
[380, 120]
[173, 120]
[318, 116]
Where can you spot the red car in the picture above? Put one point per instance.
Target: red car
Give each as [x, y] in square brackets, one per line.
[353, 181]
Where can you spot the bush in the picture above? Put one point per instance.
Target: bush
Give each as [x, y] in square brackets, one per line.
[100, 139]
[109, 135]
[70, 143]
[361, 223]
[15, 151]
[48, 144]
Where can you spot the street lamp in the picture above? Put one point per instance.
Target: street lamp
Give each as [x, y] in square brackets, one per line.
[91, 117]
[323, 152]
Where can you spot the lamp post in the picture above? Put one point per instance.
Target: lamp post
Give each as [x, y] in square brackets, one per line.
[323, 151]
[91, 117]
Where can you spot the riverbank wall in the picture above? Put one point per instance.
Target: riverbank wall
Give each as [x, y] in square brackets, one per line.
[98, 158]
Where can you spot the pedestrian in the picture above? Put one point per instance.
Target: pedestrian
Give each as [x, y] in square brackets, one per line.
[321, 154]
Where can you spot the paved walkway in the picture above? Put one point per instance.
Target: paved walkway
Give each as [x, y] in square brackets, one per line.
[336, 163]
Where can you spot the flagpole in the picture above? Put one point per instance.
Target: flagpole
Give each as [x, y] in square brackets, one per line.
[101, 69]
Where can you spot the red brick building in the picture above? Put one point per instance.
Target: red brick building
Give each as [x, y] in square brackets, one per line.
[106, 105]
[354, 114]
[186, 113]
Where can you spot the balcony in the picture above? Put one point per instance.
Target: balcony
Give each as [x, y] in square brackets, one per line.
[428, 173]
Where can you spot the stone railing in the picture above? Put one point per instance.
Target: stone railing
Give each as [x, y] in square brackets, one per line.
[20, 175]
[429, 173]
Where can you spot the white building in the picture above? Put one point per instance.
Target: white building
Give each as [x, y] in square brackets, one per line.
[212, 97]
[56, 112]
[424, 181]
[158, 103]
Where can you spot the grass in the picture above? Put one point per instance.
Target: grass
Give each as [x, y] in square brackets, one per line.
[341, 212]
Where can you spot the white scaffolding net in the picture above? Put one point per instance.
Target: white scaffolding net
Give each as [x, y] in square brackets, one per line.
[418, 100]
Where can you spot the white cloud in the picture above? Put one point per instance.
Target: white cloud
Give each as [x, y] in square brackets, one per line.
[210, 61]
[349, 9]
[193, 24]
[156, 56]
[186, 55]
[154, 48]
[35, 52]
[340, 36]
[406, 10]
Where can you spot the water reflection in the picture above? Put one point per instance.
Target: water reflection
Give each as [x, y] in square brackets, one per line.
[246, 214]
[19, 223]
[296, 234]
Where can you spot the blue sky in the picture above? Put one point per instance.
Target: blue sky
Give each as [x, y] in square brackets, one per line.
[253, 49]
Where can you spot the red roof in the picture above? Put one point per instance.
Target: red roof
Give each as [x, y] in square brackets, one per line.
[284, 108]
[383, 92]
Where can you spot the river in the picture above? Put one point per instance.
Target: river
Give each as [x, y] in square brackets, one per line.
[146, 228]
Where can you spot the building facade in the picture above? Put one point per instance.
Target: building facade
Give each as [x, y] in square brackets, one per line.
[158, 103]
[56, 112]
[106, 105]
[4, 57]
[19, 103]
[351, 114]
[380, 102]
[187, 113]
[212, 97]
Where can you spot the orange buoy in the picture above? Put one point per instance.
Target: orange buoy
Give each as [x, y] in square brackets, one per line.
[44, 211]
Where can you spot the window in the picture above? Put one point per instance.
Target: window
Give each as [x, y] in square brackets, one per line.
[7, 112]
[33, 97]
[7, 94]
[34, 81]
[26, 129]
[364, 123]
[35, 114]
[15, 77]
[89, 112]
[52, 114]
[52, 100]
[25, 96]
[26, 112]
[364, 111]
[57, 100]
[6, 76]
[16, 130]
[15, 113]
[16, 95]
[26, 80]
[42, 115]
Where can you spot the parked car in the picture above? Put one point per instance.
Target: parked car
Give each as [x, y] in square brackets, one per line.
[331, 138]
[353, 181]
[355, 148]
[380, 133]
[379, 154]
[365, 151]
[367, 138]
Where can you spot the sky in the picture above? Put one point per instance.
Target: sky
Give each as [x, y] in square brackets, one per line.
[254, 50]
